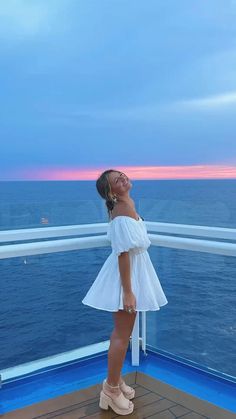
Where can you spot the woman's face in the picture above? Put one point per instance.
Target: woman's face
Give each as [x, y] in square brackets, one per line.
[119, 183]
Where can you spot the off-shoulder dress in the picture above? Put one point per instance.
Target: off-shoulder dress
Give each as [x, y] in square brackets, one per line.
[106, 293]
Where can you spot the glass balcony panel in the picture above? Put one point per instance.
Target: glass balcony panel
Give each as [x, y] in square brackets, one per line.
[198, 323]
[194, 207]
[41, 313]
[35, 204]
[50, 214]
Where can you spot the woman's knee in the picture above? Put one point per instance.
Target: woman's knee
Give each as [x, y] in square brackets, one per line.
[122, 339]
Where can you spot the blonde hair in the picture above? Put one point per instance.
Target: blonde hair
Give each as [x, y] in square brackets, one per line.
[104, 189]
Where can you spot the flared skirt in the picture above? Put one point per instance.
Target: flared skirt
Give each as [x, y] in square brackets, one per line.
[106, 292]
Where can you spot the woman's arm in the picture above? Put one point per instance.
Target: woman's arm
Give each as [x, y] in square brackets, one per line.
[124, 267]
[129, 299]
[124, 260]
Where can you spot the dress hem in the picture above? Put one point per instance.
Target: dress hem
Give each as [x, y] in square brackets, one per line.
[115, 311]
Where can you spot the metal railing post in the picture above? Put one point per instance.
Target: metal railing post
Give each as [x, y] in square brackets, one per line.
[135, 342]
[144, 331]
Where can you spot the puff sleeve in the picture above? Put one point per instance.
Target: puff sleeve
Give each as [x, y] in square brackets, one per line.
[126, 235]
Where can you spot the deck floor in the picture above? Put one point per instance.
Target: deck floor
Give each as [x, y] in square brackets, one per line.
[154, 400]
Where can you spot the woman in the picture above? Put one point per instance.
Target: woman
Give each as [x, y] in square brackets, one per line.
[126, 283]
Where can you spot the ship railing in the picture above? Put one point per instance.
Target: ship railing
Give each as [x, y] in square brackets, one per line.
[215, 240]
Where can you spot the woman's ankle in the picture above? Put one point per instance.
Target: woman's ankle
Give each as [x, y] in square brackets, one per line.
[111, 383]
[112, 387]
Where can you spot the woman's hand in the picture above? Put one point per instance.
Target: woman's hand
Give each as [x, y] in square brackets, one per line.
[129, 301]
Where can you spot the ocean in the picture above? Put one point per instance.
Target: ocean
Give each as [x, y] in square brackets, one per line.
[41, 313]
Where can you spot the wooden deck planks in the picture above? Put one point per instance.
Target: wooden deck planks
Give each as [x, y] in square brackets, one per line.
[153, 400]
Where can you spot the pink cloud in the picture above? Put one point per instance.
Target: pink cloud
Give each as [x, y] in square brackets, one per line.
[134, 172]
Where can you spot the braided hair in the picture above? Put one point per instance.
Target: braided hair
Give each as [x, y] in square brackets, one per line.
[104, 189]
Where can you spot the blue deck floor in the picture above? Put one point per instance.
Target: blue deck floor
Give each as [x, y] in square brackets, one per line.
[47, 384]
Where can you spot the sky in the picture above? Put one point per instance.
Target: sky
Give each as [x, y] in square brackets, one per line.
[146, 87]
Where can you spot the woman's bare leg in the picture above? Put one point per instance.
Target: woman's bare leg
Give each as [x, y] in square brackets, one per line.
[119, 341]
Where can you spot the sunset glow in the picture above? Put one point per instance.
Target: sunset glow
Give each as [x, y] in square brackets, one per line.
[131, 94]
[134, 172]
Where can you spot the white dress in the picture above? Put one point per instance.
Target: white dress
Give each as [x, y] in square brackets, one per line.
[106, 293]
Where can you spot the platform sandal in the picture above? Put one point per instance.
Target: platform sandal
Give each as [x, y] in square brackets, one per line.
[128, 391]
[119, 404]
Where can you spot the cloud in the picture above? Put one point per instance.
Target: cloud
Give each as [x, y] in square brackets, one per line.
[208, 102]
[152, 112]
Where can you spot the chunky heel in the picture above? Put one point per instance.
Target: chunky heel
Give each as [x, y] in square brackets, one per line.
[119, 404]
[103, 403]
